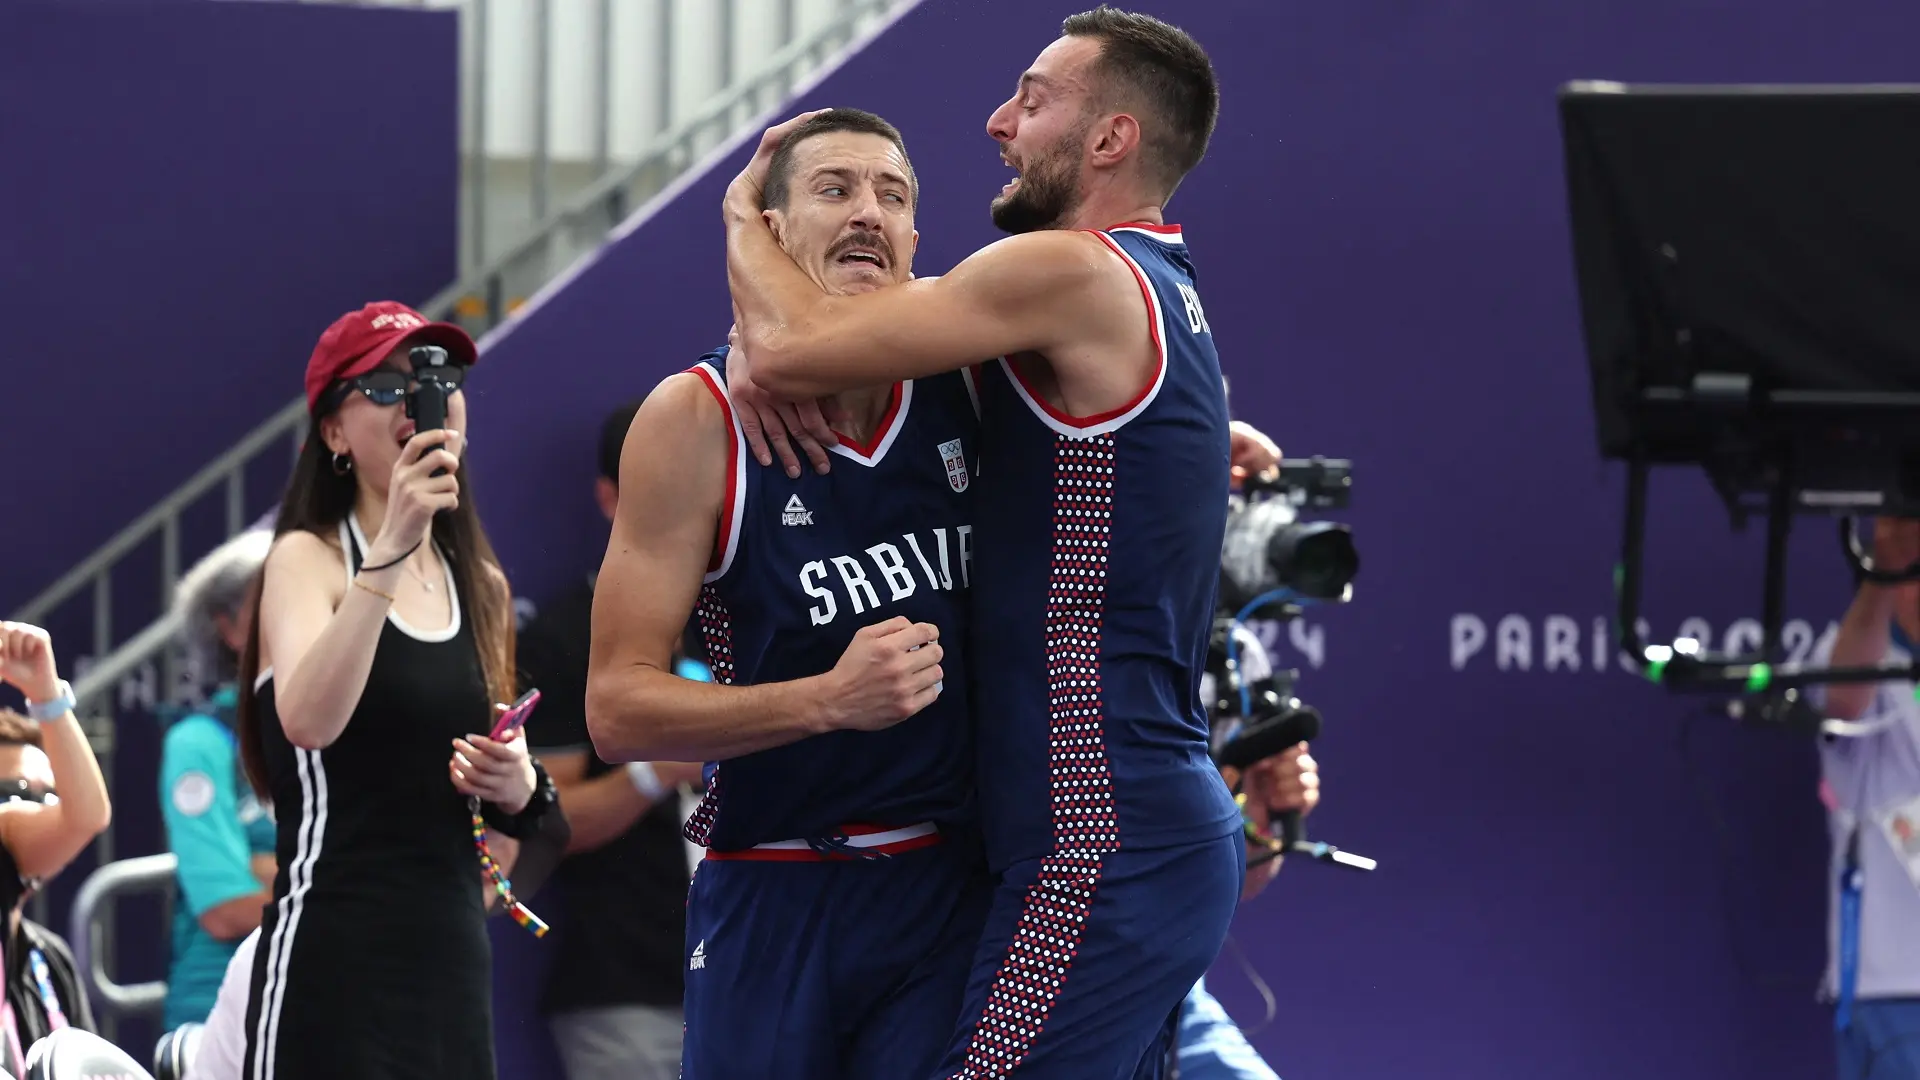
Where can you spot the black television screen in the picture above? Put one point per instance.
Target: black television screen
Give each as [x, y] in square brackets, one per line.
[1770, 232]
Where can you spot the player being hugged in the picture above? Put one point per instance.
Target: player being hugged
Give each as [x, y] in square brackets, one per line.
[1104, 459]
[831, 925]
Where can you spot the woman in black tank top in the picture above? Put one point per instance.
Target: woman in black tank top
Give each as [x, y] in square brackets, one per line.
[383, 639]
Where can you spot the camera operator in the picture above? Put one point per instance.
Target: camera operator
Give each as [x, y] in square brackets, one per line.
[1870, 781]
[1209, 1045]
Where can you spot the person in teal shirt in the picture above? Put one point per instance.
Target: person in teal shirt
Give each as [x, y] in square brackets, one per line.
[222, 835]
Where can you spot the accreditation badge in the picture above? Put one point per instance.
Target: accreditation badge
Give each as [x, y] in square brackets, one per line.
[1901, 824]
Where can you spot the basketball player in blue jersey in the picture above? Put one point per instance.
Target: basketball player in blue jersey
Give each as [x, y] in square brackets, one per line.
[832, 924]
[1101, 502]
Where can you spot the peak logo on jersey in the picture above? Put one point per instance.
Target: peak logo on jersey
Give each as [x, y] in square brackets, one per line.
[956, 459]
[796, 513]
[699, 958]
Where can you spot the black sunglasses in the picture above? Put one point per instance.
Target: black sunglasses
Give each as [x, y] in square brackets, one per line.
[386, 386]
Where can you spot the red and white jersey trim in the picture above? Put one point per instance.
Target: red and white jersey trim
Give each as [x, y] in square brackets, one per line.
[864, 837]
[1166, 234]
[900, 400]
[727, 541]
[1083, 427]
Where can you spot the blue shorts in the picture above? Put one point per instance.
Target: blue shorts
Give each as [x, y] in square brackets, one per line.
[1085, 961]
[1212, 1046]
[1883, 1042]
[808, 968]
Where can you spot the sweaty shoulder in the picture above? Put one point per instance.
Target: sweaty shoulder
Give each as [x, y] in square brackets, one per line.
[1060, 259]
[1074, 276]
[680, 444]
[686, 404]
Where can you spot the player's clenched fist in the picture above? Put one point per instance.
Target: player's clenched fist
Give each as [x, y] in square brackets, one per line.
[890, 671]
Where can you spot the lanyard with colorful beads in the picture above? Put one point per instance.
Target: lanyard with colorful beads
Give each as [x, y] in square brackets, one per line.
[501, 885]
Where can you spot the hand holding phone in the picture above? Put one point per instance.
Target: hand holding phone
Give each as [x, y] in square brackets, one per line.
[515, 716]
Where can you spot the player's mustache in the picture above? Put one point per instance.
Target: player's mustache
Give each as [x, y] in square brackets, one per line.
[870, 240]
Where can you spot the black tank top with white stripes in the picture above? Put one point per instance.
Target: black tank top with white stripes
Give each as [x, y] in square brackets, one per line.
[374, 816]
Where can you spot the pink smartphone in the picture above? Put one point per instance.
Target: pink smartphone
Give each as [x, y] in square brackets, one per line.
[515, 716]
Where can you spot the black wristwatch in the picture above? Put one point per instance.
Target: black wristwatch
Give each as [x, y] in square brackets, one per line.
[527, 822]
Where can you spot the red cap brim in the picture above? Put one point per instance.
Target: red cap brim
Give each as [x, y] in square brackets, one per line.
[460, 350]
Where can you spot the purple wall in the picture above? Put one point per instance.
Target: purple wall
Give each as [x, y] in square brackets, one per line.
[189, 193]
[1581, 876]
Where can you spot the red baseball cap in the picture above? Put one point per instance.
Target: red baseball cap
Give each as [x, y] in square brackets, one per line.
[358, 341]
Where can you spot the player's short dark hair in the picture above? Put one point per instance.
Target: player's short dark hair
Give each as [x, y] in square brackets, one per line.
[859, 121]
[1157, 65]
[613, 437]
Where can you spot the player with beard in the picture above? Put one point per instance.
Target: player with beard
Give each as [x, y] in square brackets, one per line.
[832, 924]
[1104, 443]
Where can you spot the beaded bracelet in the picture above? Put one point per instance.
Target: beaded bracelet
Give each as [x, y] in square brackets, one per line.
[521, 914]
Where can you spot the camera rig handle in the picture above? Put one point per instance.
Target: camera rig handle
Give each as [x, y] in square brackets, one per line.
[427, 401]
[1265, 738]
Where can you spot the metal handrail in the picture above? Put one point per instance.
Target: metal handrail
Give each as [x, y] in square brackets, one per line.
[149, 873]
[155, 519]
[105, 674]
[716, 108]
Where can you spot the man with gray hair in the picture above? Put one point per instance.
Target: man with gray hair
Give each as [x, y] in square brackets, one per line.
[222, 835]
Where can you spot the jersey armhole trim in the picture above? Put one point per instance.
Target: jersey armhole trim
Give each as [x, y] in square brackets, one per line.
[1084, 427]
[726, 542]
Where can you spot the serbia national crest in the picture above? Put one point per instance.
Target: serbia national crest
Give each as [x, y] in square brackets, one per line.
[956, 460]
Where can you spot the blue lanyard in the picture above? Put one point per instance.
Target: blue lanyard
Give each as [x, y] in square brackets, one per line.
[43, 980]
[1850, 880]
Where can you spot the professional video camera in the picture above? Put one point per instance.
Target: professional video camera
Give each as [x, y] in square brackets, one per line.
[1273, 562]
[1269, 550]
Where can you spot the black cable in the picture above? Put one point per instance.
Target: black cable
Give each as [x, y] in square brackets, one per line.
[1259, 985]
[1723, 849]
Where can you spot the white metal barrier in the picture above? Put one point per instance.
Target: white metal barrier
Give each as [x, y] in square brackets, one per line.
[95, 903]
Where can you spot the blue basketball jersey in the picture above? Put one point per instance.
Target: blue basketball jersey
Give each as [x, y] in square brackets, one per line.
[1101, 552]
[800, 566]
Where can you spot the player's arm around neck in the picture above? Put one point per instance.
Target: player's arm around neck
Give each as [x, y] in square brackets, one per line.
[673, 480]
[1027, 293]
